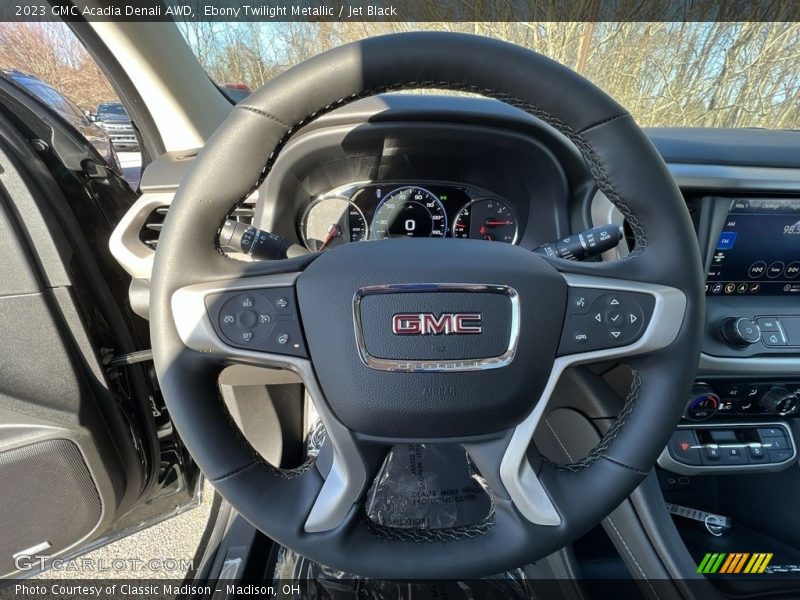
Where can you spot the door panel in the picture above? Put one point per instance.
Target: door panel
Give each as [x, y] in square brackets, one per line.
[82, 458]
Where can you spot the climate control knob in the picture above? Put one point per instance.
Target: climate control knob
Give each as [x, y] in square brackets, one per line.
[780, 401]
[740, 332]
[703, 403]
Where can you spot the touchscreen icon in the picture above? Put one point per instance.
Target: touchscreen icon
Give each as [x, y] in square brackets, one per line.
[726, 240]
[757, 269]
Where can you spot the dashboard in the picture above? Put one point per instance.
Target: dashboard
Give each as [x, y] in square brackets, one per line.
[407, 209]
[447, 167]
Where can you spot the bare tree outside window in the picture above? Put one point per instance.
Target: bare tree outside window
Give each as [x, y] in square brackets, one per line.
[693, 74]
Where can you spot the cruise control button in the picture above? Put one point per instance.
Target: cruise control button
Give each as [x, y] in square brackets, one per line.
[283, 338]
[247, 336]
[247, 318]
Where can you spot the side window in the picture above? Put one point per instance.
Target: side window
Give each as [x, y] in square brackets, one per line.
[49, 62]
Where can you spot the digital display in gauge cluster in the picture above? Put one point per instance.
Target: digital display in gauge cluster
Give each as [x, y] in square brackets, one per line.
[758, 250]
[383, 211]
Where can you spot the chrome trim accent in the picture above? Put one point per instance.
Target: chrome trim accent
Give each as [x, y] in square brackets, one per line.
[411, 365]
[516, 473]
[754, 365]
[348, 476]
[734, 177]
[666, 461]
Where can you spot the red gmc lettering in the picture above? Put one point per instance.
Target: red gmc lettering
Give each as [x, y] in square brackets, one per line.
[430, 324]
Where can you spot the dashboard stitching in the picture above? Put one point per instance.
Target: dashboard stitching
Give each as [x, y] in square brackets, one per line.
[603, 122]
[587, 151]
[264, 114]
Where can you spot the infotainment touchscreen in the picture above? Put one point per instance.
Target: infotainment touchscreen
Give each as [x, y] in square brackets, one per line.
[758, 251]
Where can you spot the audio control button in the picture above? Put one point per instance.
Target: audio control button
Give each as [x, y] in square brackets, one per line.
[773, 338]
[740, 332]
[768, 324]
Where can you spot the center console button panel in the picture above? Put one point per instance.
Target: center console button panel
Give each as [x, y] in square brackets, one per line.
[712, 449]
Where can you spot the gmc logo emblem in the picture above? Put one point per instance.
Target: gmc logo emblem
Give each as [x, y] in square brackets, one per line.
[430, 324]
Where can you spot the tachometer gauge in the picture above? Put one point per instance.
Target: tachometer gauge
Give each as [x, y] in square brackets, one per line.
[487, 219]
[329, 222]
[409, 212]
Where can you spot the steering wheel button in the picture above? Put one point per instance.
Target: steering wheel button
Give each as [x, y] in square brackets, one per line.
[247, 336]
[247, 318]
[247, 302]
[228, 320]
[283, 338]
[614, 317]
[264, 319]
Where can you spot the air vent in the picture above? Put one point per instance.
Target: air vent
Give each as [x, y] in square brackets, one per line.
[151, 228]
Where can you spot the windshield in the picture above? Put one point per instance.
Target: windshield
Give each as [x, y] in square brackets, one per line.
[116, 110]
[702, 74]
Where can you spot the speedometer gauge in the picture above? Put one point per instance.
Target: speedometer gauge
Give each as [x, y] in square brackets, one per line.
[330, 222]
[487, 219]
[409, 212]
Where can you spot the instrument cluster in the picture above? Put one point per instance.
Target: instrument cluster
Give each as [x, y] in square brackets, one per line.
[376, 211]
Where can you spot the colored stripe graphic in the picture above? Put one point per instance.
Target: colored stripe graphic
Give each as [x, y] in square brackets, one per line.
[734, 563]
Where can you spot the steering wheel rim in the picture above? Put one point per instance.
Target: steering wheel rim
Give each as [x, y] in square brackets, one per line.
[316, 509]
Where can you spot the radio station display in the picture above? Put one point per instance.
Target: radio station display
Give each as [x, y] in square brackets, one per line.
[758, 250]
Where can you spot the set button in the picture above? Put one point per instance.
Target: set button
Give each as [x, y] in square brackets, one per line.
[263, 320]
[246, 318]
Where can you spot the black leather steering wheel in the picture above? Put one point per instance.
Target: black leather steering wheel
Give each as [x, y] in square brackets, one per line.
[486, 390]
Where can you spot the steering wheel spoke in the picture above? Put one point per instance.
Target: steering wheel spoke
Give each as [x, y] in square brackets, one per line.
[609, 318]
[251, 320]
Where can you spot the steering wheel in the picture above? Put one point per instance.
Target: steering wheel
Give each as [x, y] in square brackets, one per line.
[460, 341]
